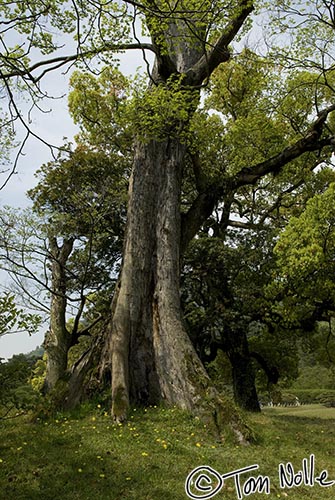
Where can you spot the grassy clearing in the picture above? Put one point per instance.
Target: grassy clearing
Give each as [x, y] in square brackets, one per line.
[83, 458]
[312, 411]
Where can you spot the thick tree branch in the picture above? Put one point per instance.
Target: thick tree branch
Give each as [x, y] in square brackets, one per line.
[311, 142]
[201, 209]
[271, 372]
[206, 201]
[220, 51]
[60, 254]
[78, 316]
[243, 225]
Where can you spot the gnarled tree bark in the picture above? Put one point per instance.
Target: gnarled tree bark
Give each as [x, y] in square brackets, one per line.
[152, 357]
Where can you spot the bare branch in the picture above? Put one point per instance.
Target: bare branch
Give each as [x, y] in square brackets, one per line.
[57, 62]
[243, 225]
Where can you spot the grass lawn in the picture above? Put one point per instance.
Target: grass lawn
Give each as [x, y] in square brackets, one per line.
[150, 458]
[307, 411]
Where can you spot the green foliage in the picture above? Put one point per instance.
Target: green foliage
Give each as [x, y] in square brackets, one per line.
[163, 111]
[224, 299]
[244, 92]
[253, 110]
[264, 108]
[16, 319]
[81, 190]
[227, 276]
[7, 139]
[34, 20]
[305, 252]
[16, 393]
[311, 28]
[84, 197]
[206, 138]
[99, 106]
[38, 373]
[279, 347]
[34, 35]
[313, 396]
[314, 377]
[242, 80]
[219, 371]
[297, 104]
[296, 288]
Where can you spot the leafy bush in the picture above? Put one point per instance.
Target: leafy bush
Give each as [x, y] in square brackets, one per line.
[16, 392]
[38, 374]
[310, 396]
[314, 377]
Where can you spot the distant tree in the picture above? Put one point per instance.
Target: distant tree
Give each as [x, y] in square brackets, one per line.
[84, 196]
[229, 265]
[70, 249]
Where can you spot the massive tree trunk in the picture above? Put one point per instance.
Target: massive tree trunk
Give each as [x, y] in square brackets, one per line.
[148, 309]
[152, 357]
[58, 339]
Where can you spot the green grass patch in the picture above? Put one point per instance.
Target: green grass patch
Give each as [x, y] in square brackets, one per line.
[308, 411]
[150, 457]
